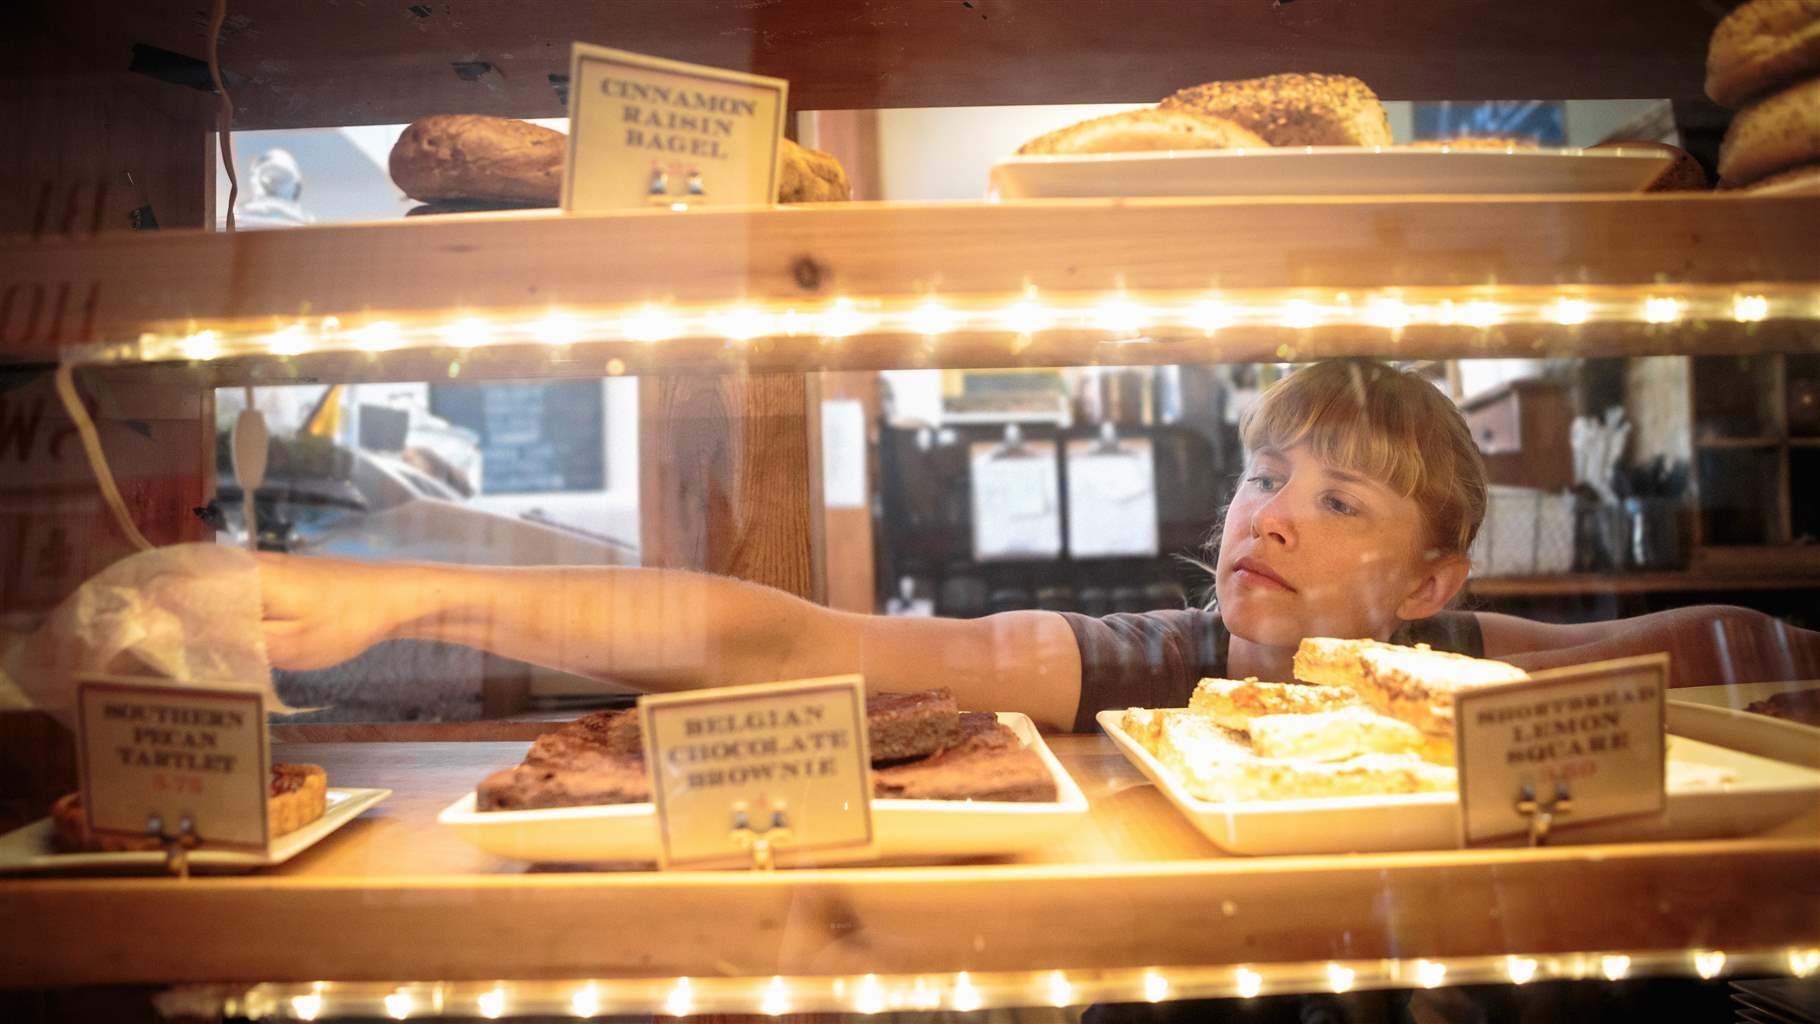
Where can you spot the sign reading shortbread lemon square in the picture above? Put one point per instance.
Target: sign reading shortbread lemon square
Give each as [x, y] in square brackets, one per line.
[1576, 745]
[741, 771]
[156, 757]
[644, 131]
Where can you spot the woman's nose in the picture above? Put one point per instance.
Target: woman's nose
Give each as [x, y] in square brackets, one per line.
[1271, 520]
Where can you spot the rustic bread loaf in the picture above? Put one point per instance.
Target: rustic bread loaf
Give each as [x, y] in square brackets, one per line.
[1148, 130]
[462, 162]
[810, 176]
[1294, 109]
[1762, 46]
[471, 157]
[1777, 132]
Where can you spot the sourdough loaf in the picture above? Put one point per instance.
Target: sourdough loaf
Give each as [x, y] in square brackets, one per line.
[1148, 130]
[1775, 133]
[1762, 46]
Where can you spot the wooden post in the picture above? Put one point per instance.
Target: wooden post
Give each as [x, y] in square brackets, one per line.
[730, 478]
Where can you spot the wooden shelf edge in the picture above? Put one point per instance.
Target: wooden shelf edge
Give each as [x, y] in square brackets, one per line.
[114, 287]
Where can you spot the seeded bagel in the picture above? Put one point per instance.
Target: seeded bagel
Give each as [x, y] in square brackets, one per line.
[1294, 109]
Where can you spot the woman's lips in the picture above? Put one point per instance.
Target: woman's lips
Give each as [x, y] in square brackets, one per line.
[1256, 573]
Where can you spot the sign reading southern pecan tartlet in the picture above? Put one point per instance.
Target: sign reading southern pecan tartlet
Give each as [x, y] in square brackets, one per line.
[155, 757]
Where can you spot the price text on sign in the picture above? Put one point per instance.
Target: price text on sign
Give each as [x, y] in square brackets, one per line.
[1597, 729]
[151, 750]
[645, 131]
[784, 762]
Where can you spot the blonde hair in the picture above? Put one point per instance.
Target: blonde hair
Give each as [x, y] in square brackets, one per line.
[1365, 417]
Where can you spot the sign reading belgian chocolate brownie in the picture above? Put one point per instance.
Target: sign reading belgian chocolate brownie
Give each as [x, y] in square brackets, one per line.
[740, 772]
[1577, 744]
[155, 756]
[644, 131]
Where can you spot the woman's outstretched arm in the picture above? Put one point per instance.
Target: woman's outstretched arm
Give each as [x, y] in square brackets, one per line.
[1706, 644]
[660, 629]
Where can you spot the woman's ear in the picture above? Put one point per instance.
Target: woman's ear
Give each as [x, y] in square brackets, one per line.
[1441, 579]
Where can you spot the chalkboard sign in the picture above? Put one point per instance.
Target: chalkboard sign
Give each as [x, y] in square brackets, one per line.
[535, 437]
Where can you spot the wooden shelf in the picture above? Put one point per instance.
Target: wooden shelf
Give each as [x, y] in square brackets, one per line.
[394, 896]
[1692, 582]
[114, 287]
[290, 65]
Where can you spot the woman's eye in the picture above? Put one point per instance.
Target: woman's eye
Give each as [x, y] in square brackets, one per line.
[1341, 505]
[1263, 482]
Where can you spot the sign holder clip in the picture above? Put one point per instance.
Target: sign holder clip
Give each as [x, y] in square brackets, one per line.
[177, 846]
[758, 841]
[1543, 811]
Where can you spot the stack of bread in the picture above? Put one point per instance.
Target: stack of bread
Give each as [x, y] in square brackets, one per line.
[1764, 62]
[1366, 718]
[1276, 110]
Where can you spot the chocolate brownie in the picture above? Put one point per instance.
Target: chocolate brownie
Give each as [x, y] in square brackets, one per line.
[608, 779]
[991, 763]
[903, 725]
[598, 759]
[588, 738]
[1794, 705]
[618, 731]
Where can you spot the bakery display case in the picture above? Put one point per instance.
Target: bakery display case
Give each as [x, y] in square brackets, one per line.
[707, 377]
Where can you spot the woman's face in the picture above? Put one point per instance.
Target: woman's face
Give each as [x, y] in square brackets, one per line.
[1311, 550]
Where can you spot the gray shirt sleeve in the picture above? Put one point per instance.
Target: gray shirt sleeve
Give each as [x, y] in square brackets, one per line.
[1153, 659]
[1147, 660]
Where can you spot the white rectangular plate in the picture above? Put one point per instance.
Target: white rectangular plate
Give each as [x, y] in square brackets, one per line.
[1716, 715]
[906, 829]
[1327, 171]
[30, 849]
[1762, 794]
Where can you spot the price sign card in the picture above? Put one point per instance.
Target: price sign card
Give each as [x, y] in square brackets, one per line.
[644, 131]
[1600, 729]
[786, 763]
[171, 752]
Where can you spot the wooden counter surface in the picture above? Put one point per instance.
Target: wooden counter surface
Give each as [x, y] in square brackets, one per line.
[395, 896]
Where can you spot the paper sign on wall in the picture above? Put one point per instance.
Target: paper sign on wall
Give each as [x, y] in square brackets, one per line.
[787, 763]
[644, 131]
[1597, 729]
[174, 753]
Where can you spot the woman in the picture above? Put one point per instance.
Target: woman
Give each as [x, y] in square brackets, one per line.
[1363, 491]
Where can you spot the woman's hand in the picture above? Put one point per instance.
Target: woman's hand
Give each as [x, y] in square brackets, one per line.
[318, 612]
